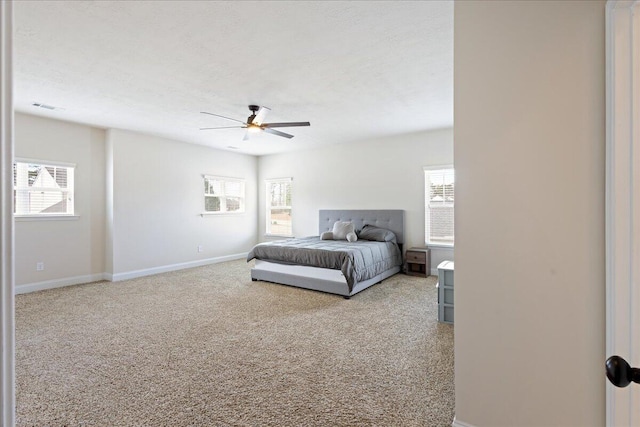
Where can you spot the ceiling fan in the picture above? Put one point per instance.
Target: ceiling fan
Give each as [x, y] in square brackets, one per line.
[255, 123]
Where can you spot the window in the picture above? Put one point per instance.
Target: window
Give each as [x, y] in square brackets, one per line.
[279, 207]
[42, 188]
[223, 195]
[439, 184]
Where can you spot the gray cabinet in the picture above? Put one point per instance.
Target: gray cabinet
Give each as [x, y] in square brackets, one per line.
[445, 291]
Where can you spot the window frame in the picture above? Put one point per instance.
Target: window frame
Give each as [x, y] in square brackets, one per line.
[70, 190]
[223, 197]
[269, 207]
[427, 229]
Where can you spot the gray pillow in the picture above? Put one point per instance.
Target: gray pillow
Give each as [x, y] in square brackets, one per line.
[377, 234]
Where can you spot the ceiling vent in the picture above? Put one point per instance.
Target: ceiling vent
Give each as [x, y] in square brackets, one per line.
[45, 106]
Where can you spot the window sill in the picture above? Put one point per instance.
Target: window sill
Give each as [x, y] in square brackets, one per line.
[203, 214]
[438, 246]
[279, 236]
[21, 218]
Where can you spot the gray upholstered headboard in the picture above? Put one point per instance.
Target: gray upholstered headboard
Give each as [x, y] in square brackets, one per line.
[391, 219]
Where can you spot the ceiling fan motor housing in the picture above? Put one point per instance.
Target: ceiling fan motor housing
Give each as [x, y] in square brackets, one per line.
[253, 108]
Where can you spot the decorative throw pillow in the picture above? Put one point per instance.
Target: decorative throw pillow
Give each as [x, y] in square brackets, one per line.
[341, 229]
[371, 232]
[352, 237]
[327, 235]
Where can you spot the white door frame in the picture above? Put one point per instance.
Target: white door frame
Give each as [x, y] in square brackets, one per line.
[7, 323]
[623, 203]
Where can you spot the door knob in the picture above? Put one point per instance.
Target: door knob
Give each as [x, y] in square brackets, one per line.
[620, 373]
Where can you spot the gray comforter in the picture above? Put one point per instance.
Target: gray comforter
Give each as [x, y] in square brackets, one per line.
[358, 261]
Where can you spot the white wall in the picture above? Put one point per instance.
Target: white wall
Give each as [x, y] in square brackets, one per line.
[138, 199]
[72, 250]
[530, 159]
[156, 196]
[379, 174]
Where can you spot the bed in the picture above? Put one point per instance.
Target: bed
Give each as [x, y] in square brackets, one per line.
[334, 266]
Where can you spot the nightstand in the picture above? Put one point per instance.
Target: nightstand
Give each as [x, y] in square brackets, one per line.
[418, 262]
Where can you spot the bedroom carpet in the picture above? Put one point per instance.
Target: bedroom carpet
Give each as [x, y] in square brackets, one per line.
[209, 347]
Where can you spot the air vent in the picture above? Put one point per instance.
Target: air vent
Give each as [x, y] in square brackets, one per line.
[45, 106]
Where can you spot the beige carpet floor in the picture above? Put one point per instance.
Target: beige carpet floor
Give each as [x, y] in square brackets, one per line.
[209, 347]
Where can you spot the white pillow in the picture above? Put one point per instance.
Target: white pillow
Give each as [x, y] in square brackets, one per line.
[341, 229]
[327, 235]
[352, 237]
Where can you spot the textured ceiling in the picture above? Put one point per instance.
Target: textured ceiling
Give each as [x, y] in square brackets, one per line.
[355, 70]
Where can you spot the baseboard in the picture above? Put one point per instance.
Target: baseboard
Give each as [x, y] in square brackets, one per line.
[457, 423]
[78, 280]
[172, 267]
[59, 283]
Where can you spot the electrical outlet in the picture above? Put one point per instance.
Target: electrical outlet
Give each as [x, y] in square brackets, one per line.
[39, 266]
[200, 249]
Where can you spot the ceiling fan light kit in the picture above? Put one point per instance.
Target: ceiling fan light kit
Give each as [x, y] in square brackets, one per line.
[255, 123]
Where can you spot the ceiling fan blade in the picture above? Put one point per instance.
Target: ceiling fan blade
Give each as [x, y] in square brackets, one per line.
[218, 115]
[225, 127]
[284, 125]
[277, 132]
[260, 115]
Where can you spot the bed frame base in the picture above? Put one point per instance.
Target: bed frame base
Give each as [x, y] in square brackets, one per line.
[316, 284]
